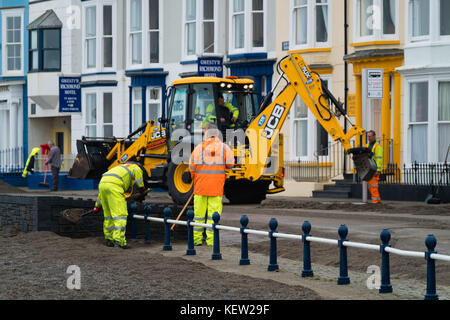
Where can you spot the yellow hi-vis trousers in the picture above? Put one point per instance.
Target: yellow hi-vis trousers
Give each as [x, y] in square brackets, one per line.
[202, 206]
[115, 212]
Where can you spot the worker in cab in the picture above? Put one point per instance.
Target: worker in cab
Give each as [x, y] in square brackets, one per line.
[114, 186]
[377, 151]
[207, 166]
[225, 113]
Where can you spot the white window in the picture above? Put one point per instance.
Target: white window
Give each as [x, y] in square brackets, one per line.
[419, 19]
[99, 113]
[376, 20]
[444, 21]
[99, 36]
[247, 25]
[154, 103]
[418, 121]
[136, 31]
[310, 23]
[300, 121]
[137, 108]
[144, 33]
[90, 37]
[443, 119]
[199, 27]
[12, 42]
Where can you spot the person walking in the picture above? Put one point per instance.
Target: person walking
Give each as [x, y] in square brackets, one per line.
[207, 166]
[377, 151]
[113, 186]
[54, 160]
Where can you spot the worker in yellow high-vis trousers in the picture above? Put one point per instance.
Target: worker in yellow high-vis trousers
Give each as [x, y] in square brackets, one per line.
[114, 187]
[377, 151]
[207, 167]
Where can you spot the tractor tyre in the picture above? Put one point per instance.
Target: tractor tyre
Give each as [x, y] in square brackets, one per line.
[178, 182]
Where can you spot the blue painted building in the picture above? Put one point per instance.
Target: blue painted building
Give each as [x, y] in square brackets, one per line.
[13, 81]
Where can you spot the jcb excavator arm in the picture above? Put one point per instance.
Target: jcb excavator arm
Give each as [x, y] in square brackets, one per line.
[265, 128]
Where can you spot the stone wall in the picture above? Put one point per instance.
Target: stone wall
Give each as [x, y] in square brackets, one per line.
[32, 213]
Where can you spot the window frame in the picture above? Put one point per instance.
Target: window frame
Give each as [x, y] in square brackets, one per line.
[5, 14]
[99, 37]
[199, 30]
[248, 26]
[311, 26]
[409, 33]
[378, 34]
[99, 94]
[152, 101]
[40, 51]
[145, 37]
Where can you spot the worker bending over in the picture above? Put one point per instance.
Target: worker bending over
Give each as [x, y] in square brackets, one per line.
[112, 189]
[377, 151]
[207, 167]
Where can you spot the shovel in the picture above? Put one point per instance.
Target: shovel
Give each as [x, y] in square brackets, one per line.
[75, 215]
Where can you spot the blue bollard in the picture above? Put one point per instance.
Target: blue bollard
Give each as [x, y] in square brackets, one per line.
[245, 261]
[133, 211]
[385, 287]
[273, 265]
[307, 271]
[216, 245]
[190, 250]
[343, 268]
[167, 245]
[147, 210]
[431, 242]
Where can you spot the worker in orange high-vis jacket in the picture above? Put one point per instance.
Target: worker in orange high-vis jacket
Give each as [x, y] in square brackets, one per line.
[207, 166]
[377, 151]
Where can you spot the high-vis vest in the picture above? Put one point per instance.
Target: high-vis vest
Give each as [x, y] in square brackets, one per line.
[125, 176]
[207, 166]
[30, 162]
[377, 151]
[211, 114]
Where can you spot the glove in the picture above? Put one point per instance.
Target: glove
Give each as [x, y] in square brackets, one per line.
[96, 210]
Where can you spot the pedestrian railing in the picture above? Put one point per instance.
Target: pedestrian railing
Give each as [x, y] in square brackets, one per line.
[11, 160]
[66, 163]
[385, 249]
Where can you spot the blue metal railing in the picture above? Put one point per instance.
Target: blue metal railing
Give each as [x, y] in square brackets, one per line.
[385, 249]
[11, 160]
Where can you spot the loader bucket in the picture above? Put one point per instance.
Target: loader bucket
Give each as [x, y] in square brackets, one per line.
[91, 161]
[364, 164]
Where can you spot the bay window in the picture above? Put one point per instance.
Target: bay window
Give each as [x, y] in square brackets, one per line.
[418, 122]
[90, 37]
[444, 21]
[420, 18]
[136, 31]
[107, 37]
[137, 108]
[310, 23]
[154, 30]
[45, 50]
[443, 119]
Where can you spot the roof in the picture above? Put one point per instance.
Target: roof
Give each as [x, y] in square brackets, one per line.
[212, 80]
[374, 53]
[48, 20]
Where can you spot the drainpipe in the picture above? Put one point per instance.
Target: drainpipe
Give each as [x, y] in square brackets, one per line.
[345, 72]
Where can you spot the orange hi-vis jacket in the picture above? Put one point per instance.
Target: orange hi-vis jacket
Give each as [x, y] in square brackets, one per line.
[207, 166]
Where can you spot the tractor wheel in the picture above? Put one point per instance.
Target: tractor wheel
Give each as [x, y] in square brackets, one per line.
[246, 192]
[179, 184]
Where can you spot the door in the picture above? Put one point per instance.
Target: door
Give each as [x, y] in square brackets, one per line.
[60, 141]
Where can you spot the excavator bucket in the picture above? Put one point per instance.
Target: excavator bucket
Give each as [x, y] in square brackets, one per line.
[91, 161]
[364, 164]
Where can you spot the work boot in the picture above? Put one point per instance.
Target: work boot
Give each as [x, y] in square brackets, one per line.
[109, 243]
[127, 246]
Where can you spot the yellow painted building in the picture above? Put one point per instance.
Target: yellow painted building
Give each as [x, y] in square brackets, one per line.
[371, 48]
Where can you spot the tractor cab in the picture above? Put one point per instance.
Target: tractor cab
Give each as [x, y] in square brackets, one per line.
[198, 101]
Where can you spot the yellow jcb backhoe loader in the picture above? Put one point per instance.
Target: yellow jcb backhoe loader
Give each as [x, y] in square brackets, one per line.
[164, 148]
